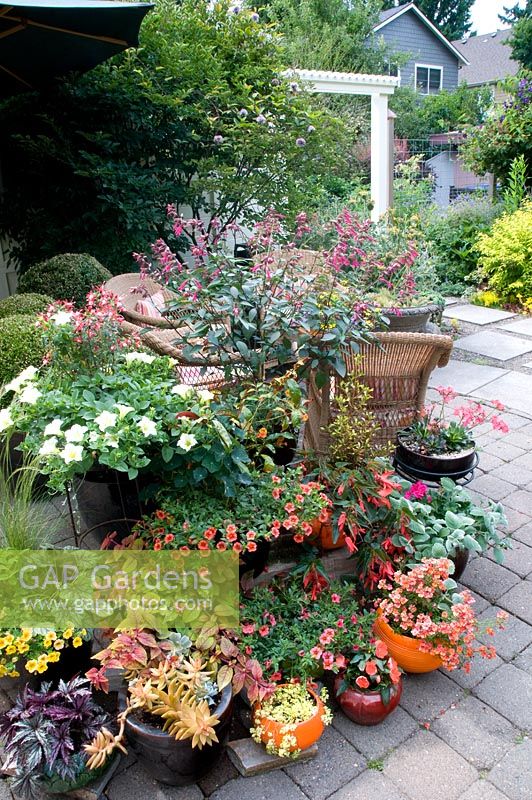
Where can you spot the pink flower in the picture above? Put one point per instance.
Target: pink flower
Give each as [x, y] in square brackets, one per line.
[335, 598]
[447, 393]
[264, 630]
[316, 652]
[417, 491]
[248, 628]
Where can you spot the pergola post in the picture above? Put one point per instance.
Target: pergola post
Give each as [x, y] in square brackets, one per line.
[380, 156]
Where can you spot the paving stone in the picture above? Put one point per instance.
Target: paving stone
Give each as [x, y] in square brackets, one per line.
[510, 640]
[482, 790]
[371, 785]
[513, 473]
[480, 667]
[503, 450]
[524, 461]
[5, 794]
[475, 731]
[520, 500]
[518, 558]
[223, 772]
[136, 784]
[479, 315]
[523, 437]
[509, 691]
[523, 534]
[259, 787]
[489, 462]
[376, 740]
[426, 696]
[336, 764]
[514, 390]
[5, 701]
[513, 774]
[494, 488]
[495, 345]
[523, 326]
[524, 660]
[251, 758]
[516, 520]
[425, 766]
[464, 377]
[490, 580]
[519, 601]
[451, 301]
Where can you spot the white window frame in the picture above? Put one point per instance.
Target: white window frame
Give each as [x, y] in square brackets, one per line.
[429, 67]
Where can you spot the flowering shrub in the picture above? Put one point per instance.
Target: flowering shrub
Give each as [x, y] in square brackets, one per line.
[126, 418]
[434, 433]
[35, 649]
[422, 603]
[261, 510]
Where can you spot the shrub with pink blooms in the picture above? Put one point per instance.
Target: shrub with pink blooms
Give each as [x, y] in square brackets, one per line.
[436, 432]
[422, 603]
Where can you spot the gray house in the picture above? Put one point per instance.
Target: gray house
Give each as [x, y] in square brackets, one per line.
[433, 61]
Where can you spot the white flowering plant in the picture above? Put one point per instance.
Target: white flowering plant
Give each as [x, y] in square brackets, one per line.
[131, 417]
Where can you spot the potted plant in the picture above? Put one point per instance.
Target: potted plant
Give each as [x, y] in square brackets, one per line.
[426, 624]
[53, 655]
[434, 445]
[176, 708]
[291, 720]
[44, 735]
[272, 503]
[445, 523]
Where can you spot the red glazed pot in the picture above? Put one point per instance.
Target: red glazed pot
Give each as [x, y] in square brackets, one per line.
[323, 531]
[367, 708]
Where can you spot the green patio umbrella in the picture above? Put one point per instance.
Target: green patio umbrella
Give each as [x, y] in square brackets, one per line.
[43, 39]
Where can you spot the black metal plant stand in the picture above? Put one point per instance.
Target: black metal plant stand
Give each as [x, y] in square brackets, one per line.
[462, 477]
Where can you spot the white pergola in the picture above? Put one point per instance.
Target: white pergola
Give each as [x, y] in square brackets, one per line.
[378, 87]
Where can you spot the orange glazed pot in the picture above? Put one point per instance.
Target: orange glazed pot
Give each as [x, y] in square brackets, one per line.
[306, 733]
[324, 532]
[405, 649]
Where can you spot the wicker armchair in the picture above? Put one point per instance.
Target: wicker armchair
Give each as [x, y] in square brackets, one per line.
[124, 287]
[397, 368]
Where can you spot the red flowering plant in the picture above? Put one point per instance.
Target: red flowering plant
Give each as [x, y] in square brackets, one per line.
[296, 636]
[422, 603]
[272, 503]
[435, 433]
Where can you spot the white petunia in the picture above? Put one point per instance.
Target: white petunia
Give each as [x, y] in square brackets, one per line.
[49, 447]
[106, 420]
[62, 317]
[110, 440]
[147, 426]
[123, 410]
[54, 427]
[30, 394]
[205, 396]
[181, 390]
[72, 452]
[76, 433]
[6, 420]
[187, 441]
[145, 358]
[17, 383]
[28, 374]
[94, 438]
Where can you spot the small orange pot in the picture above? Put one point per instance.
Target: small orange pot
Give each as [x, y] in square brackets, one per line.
[405, 649]
[306, 733]
[323, 531]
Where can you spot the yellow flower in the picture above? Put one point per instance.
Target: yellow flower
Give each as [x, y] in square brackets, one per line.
[53, 657]
[9, 638]
[67, 634]
[43, 658]
[84, 631]
[25, 635]
[3, 642]
[42, 668]
[77, 641]
[14, 674]
[3, 671]
[31, 665]
[23, 647]
[11, 649]
[59, 644]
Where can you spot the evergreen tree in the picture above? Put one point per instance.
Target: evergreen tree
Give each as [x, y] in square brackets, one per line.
[513, 14]
[451, 17]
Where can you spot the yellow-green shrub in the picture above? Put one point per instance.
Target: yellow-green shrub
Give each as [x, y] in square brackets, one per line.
[506, 255]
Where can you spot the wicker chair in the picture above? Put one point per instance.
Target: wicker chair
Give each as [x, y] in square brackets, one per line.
[397, 368]
[124, 287]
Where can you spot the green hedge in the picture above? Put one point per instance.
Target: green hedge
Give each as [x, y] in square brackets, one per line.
[29, 303]
[22, 346]
[68, 276]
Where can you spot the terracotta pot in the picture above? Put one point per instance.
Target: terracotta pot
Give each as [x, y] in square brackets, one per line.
[323, 531]
[405, 649]
[174, 762]
[366, 708]
[306, 733]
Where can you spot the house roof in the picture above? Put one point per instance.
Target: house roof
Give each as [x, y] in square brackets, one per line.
[392, 14]
[489, 58]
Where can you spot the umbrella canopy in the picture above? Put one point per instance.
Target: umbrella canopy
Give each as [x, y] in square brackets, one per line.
[43, 39]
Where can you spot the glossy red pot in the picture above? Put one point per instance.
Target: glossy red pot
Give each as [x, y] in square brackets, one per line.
[367, 708]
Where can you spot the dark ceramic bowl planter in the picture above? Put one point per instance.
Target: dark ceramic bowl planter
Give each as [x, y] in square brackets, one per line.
[459, 560]
[436, 465]
[174, 762]
[367, 708]
[410, 320]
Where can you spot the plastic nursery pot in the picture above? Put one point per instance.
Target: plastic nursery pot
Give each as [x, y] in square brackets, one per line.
[306, 733]
[366, 708]
[55, 785]
[453, 464]
[460, 559]
[405, 649]
[323, 531]
[174, 762]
